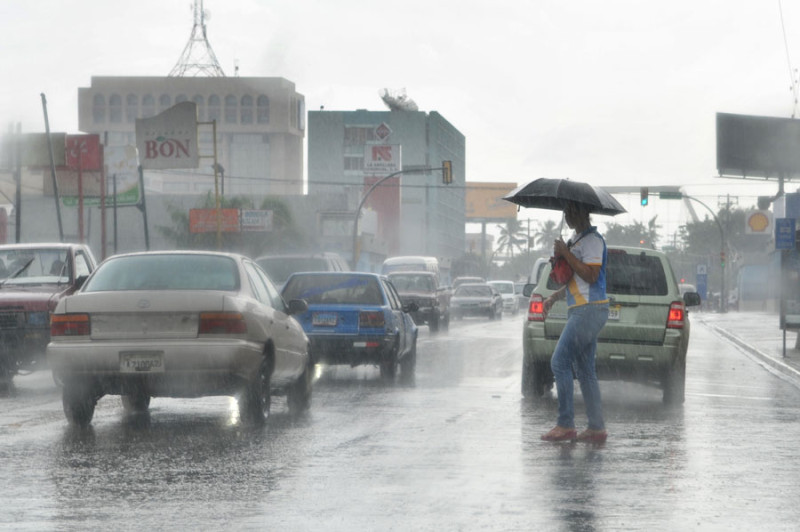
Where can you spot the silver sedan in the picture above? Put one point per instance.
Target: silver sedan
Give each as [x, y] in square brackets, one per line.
[179, 324]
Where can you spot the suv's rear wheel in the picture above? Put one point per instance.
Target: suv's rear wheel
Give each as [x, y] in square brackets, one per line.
[433, 323]
[673, 382]
[138, 401]
[535, 378]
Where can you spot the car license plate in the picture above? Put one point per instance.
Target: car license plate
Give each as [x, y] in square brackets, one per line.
[323, 319]
[613, 313]
[141, 362]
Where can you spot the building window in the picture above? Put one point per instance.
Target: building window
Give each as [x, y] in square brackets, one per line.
[115, 109]
[213, 107]
[201, 110]
[230, 109]
[98, 109]
[353, 162]
[131, 108]
[164, 102]
[358, 134]
[263, 109]
[247, 109]
[148, 106]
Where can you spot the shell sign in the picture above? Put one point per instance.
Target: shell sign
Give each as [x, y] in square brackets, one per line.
[759, 223]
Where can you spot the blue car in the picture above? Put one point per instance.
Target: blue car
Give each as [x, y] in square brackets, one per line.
[356, 318]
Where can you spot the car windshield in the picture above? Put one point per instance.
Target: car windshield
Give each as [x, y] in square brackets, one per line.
[33, 265]
[280, 268]
[165, 272]
[473, 291]
[334, 289]
[504, 288]
[413, 283]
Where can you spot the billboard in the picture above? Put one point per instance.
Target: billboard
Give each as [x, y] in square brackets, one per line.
[169, 139]
[758, 146]
[484, 202]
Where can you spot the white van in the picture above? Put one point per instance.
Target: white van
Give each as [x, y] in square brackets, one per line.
[411, 263]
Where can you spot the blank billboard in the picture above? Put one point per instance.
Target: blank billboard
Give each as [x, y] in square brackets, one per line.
[758, 146]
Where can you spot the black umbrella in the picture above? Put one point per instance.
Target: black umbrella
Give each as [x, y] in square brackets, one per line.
[544, 193]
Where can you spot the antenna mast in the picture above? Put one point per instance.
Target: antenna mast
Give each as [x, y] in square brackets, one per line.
[198, 58]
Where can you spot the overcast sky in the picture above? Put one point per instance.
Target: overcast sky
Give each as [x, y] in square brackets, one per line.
[618, 92]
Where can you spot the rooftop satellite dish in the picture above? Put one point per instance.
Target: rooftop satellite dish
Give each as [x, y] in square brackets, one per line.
[398, 100]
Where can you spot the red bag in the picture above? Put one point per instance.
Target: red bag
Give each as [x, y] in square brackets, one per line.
[561, 272]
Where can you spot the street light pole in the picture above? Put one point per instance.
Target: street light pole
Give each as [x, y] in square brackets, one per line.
[364, 199]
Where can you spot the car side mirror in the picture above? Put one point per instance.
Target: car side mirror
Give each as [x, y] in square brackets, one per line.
[411, 307]
[79, 281]
[527, 290]
[691, 299]
[297, 306]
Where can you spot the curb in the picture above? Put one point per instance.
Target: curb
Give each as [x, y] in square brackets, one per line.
[791, 374]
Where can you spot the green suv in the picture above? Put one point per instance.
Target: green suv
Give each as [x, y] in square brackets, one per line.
[646, 336]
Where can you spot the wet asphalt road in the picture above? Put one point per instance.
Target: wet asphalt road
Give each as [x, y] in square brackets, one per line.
[459, 450]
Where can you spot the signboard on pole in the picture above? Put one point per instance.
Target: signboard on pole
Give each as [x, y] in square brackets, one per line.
[256, 220]
[784, 233]
[169, 139]
[205, 220]
[83, 152]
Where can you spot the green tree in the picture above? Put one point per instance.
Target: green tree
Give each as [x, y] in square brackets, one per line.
[511, 236]
[635, 234]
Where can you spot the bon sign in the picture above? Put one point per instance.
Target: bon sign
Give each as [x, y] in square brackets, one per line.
[169, 139]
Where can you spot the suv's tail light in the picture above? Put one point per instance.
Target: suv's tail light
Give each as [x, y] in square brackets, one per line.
[222, 323]
[70, 325]
[371, 319]
[536, 308]
[677, 315]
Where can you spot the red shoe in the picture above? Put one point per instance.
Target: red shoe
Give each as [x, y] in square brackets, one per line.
[593, 436]
[560, 434]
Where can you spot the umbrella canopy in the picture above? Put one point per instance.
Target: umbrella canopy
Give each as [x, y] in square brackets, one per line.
[553, 194]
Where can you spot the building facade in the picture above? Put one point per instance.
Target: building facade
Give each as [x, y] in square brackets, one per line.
[260, 127]
[417, 213]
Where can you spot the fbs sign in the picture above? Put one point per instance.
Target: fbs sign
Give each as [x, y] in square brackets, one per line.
[169, 139]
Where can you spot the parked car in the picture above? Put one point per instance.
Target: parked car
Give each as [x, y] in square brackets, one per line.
[433, 302]
[506, 291]
[647, 334]
[467, 279]
[476, 299]
[280, 267]
[356, 318]
[179, 324]
[33, 279]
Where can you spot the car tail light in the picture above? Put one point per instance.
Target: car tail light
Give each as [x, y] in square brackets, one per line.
[677, 315]
[371, 319]
[222, 323]
[536, 308]
[70, 325]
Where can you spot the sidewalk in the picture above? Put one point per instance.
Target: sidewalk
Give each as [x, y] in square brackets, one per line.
[759, 335]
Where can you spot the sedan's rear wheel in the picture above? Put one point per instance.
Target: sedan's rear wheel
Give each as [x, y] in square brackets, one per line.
[408, 365]
[79, 401]
[299, 394]
[389, 365]
[256, 399]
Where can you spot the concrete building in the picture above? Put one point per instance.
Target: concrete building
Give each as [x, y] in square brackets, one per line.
[260, 125]
[417, 213]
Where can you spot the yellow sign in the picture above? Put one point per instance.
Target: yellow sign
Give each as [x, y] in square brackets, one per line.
[484, 201]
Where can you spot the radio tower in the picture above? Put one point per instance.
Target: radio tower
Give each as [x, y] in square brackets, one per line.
[198, 58]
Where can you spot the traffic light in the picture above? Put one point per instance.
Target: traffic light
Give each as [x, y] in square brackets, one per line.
[447, 172]
[722, 259]
[644, 193]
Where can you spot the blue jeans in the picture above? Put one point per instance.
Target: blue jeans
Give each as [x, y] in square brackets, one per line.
[578, 346]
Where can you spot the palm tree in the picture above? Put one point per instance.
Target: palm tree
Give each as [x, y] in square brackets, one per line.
[511, 236]
[549, 231]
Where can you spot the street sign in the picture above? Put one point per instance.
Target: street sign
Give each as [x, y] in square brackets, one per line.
[702, 285]
[784, 233]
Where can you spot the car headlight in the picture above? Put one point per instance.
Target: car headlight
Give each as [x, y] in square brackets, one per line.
[38, 319]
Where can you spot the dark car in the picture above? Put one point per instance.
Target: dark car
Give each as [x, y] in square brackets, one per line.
[421, 288]
[356, 318]
[476, 299]
[33, 279]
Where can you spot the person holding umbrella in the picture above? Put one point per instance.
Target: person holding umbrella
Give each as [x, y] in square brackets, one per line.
[587, 314]
[586, 296]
